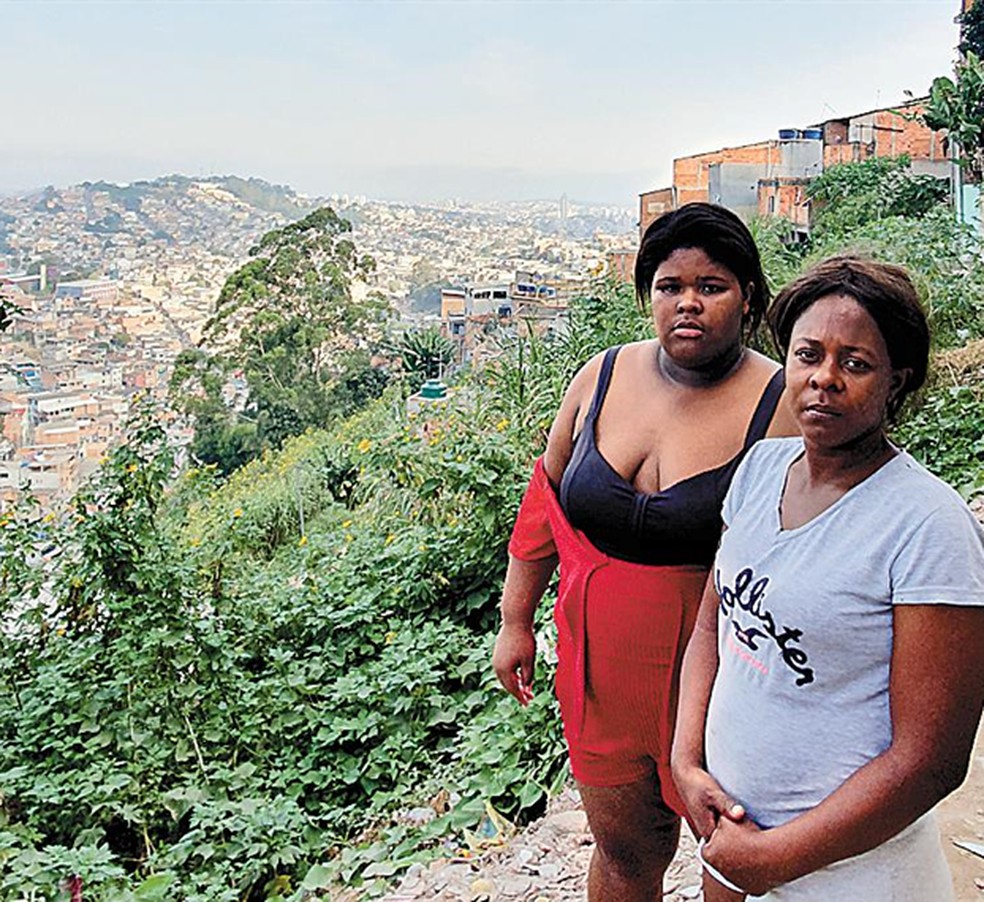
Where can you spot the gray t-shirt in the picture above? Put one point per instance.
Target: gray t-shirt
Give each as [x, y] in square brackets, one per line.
[800, 701]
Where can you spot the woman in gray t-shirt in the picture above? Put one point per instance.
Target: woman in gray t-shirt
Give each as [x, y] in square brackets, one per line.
[832, 688]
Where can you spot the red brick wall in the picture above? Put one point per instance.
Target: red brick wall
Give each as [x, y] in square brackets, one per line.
[690, 174]
[652, 205]
[787, 197]
[885, 133]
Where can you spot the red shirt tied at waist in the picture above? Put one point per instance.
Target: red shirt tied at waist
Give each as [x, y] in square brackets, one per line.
[621, 630]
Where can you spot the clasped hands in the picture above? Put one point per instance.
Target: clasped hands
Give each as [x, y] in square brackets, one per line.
[734, 844]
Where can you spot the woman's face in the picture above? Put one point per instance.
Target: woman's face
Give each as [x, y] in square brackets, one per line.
[698, 307]
[839, 376]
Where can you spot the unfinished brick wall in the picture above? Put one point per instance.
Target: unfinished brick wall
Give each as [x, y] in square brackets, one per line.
[881, 133]
[690, 174]
[785, 198]
[652, 205]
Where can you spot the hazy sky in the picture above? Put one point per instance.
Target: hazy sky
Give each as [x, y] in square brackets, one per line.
[421, 100]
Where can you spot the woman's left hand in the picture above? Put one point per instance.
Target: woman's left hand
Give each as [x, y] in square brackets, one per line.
[741, 851]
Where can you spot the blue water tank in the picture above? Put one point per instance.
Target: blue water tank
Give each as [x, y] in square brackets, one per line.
[813, 134]
[788, 134]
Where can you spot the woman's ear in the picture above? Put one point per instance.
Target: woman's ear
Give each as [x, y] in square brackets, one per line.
[900, 379]
[747, 298]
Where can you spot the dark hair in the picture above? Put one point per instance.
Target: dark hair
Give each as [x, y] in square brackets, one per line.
[887, 294]
[721, 235]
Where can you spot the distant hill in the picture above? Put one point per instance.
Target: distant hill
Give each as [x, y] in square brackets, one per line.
[81, 225]
[254, 192]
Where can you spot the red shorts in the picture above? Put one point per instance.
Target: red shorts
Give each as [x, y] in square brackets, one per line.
[637, 623]
[621, 632]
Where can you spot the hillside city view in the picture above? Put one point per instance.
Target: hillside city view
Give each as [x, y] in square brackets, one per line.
[112, 282]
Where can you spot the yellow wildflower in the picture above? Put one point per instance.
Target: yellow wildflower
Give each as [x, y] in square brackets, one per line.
[390, 637]
[364, 446]
[302, 541]
[238, 512]
[349, 537]
[390, 539]
[501, 425]
[132, 468]
[346, 524]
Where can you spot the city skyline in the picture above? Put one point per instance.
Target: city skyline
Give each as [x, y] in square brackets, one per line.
[421, 101]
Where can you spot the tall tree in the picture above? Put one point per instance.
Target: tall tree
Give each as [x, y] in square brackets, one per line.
[972, 30]
[288, 322]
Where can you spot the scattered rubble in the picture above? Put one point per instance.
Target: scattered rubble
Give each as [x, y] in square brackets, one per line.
[547, 862]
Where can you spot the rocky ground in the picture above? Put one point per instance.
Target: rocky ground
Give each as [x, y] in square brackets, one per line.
[546, 862]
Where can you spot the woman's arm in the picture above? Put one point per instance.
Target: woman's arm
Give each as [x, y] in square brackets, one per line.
[706, 801]
[515, 646]
[936, 694]
[527, 579]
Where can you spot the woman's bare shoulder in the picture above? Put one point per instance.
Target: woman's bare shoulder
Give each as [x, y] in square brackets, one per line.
[762, 364]
[573, 409]
[577, 397]
[783, 421]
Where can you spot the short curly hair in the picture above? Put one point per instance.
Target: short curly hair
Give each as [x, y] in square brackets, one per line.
[886, 293]
[721, 235]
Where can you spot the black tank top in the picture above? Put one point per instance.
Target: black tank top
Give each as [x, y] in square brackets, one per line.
[680, 525]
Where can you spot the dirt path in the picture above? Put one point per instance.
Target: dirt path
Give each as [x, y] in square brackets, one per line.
[546, 862]
[961, 818]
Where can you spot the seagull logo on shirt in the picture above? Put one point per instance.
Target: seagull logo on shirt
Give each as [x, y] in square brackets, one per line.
[748, 636]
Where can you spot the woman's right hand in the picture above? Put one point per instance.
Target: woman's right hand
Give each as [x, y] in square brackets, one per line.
[513, 658]
[706, 801]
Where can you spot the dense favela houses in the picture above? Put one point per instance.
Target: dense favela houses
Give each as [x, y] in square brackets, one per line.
[74, 354]
[112, 281]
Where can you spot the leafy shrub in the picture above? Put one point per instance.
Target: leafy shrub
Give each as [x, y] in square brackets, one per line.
[225, 688]
[946, 434]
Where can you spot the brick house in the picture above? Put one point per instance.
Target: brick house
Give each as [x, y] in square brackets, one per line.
[770, 178]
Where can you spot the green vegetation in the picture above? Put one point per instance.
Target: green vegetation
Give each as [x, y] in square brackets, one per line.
[287, 327]
[426, 283]
[253, 191]
[852, 195]
[424, 354]
[236, 679]
[957, 105]
[270, 672]
[262, 195]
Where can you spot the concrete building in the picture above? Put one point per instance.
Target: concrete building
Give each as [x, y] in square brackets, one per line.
[88, 290]
[46, 406]
[770, 178]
